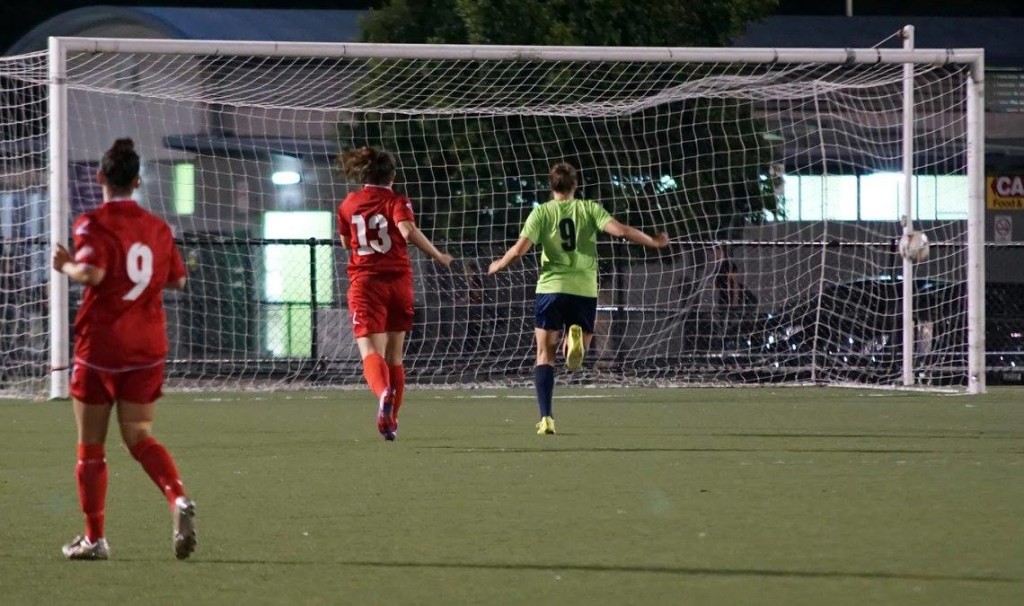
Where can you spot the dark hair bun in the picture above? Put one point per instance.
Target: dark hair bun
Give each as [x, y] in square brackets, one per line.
[124, 144]
[121, 165]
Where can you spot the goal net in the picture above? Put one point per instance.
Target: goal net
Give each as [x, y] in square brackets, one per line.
[776, 174]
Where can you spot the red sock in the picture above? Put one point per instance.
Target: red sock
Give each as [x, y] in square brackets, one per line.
[160, 466]
[375, 369]
[397, 374]
[91, 473]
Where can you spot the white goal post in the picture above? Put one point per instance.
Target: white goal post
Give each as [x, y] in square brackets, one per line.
[782, 176]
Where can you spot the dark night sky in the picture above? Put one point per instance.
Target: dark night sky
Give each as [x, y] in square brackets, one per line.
[19, 16]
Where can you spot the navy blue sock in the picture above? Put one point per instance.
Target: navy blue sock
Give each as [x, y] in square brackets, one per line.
[544, 382]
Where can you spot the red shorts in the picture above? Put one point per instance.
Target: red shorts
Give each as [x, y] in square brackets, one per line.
[378, 305]
[138, 386]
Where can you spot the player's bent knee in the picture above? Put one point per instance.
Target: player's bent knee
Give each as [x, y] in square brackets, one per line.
[133, 432]
[546, 357]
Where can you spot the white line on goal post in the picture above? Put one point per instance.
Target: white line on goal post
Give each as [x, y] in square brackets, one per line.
[909, 130]
[60, 347]
[365, 50]
[976, 227]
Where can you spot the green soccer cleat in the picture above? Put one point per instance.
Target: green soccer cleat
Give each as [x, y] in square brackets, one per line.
[546, 426]
[574, 348]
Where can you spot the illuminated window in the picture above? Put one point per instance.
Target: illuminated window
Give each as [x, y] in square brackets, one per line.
[872, 197]
[841, 197]
[791, 196]
[951, 192]
[812, 201]
[926, 198]
[880, 196]
[287, 279]
[185, 188]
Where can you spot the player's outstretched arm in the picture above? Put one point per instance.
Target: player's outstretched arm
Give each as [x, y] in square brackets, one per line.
[518, 249]
[621, 230]
[79, 272]
[414, 236]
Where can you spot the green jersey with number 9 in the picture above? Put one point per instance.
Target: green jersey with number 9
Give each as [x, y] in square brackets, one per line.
[566, 231]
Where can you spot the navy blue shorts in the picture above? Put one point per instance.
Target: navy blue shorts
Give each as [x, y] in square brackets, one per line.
[560, 311]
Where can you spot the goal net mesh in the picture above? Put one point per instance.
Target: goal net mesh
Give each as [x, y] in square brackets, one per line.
[778, 184]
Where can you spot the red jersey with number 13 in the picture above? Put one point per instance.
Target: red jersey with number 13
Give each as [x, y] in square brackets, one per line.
[121, 323]
[368, 224]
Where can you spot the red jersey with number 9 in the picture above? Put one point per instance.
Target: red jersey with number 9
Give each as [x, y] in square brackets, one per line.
[121, 323]
[368, 224]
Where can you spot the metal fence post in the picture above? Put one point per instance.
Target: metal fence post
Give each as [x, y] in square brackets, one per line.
[313, 349]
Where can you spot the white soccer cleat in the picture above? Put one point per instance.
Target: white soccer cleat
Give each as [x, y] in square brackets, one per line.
[184, 527]
[81, 548]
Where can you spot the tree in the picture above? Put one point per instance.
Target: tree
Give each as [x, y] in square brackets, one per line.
[564, 22]
[487, 171]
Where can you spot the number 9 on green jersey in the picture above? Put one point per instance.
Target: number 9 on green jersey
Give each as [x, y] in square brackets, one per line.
[566, 231]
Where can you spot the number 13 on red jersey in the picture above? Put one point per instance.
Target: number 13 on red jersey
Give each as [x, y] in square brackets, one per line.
[381, 244]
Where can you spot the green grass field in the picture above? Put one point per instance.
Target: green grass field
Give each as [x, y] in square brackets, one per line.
[668, 496]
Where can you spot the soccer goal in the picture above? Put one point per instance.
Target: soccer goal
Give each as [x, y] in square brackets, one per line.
[784, 177]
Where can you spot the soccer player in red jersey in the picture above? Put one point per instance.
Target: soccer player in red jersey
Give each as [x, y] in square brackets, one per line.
[376, 225]
[125, 257]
